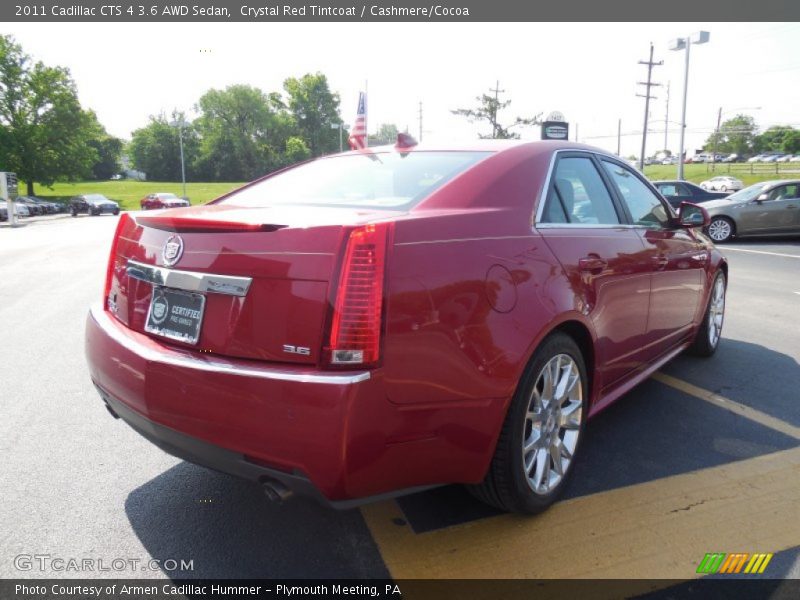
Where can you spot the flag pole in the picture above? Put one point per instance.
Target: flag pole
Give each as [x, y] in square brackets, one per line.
[366, 113]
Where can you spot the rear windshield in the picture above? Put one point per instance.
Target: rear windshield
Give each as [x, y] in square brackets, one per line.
[387, 180]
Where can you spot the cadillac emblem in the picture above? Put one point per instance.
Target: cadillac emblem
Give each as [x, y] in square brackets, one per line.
[173, 250]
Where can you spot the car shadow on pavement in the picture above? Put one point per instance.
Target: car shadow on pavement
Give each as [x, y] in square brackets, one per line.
[656, 431]
[229, 529]
[748, 373]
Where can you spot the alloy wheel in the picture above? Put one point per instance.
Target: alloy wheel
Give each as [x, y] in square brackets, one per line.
[719, 230]
[716, 312]
[552, 423]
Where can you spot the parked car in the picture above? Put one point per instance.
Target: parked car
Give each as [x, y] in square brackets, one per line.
[3, 212]
[723, 183]
[20, 209]
[34, 209]
[669, 160]
[770, 158]
[677, 191]
[763, 209]
[46, 207]
[785, 158]
[756, 158]
[731, 158]
[162, 200]
[795, 158]
[93, 204]
[380, 321]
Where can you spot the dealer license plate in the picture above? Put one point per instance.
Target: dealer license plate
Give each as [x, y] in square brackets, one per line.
[175, 314]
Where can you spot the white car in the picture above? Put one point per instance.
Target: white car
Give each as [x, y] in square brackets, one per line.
[795, 158]
[757, 158]
[785, 158]
[19, 209]
[722, 183]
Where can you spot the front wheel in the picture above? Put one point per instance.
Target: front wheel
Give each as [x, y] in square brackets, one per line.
[708, 335]
[541, 434]
[720, 229]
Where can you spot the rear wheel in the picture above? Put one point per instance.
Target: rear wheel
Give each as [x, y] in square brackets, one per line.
[541, 434]
[723, 188]
[721, 229]
[708, 335]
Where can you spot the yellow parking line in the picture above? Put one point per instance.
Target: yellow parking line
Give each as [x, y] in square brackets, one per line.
[735, 407]
[655, 530]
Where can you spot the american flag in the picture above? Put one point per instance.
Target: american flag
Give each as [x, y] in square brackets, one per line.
[358, 136]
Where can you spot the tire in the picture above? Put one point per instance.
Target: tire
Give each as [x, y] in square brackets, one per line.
[709, 333]
[508, 485]
[723, 188]
[116, 212]
[721, 229]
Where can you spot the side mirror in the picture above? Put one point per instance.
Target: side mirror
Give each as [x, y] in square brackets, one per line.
[762, 197]
[692, 215]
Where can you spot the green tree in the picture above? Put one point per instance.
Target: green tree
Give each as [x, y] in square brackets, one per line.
[488, 110]
[244, 133]
[315, 109]
[155, 148]
[735, 136]
[779, 138]
[386, 134]
[108, 149]
[44, 132]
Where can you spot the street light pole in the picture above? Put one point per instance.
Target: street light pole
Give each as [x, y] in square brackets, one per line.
[180, 125]
[183, 162]
[700, 37]
[681, 150]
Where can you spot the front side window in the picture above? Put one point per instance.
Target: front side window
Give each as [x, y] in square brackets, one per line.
[387, 180]
[645, 207]
[578, 195]
[672, 189]
[784, 192]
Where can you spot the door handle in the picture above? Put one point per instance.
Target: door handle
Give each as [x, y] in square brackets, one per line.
[661, 261]
[592, 263]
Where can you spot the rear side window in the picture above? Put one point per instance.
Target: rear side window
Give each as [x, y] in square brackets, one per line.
[578, 195]
[388, 180]
[645, 207]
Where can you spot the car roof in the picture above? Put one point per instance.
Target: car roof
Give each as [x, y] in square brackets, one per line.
[487, 145]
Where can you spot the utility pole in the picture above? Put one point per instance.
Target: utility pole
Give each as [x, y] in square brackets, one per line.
[619, 136]
[497, 91]
[420, 121]
[647, 97]
[576, 133]
[716, 139]
[666, 120]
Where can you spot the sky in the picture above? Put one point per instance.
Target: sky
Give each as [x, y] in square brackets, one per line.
[587, 71]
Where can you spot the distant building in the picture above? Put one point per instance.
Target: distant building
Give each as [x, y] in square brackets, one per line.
[128, 171]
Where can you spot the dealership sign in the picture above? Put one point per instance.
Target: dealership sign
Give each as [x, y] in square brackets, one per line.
[555, 127]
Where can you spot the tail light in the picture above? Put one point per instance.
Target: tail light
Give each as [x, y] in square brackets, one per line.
[124, 220]
[356, 325]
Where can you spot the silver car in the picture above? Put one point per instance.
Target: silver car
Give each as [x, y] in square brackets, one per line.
[766, 208]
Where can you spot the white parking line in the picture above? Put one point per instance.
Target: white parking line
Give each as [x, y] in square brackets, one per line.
[761, 252]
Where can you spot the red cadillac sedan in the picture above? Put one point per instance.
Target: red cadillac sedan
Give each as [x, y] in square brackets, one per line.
[382, 321]
[162, 200]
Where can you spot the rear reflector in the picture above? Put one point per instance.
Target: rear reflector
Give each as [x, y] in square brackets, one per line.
[356, 326]
[124, 220]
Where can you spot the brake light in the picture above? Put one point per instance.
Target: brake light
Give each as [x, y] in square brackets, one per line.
[112, 259]
[356, 326]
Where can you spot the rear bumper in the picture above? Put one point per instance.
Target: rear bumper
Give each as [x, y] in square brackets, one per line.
[330, 435]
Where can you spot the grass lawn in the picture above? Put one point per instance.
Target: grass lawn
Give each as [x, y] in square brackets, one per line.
[748, 173]
[128, 193]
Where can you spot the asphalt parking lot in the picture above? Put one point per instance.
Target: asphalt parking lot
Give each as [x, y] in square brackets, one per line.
[704, 457]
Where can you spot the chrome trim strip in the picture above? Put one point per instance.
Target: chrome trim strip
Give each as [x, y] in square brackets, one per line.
[174, 358]
[189, 281]
[215, 252]
[475, 239]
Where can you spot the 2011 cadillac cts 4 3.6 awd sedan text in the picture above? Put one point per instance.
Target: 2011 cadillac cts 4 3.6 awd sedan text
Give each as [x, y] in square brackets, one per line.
[384, 320]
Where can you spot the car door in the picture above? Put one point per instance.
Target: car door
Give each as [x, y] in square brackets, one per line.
[602, 258]
[778, 213]
[675, 255]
